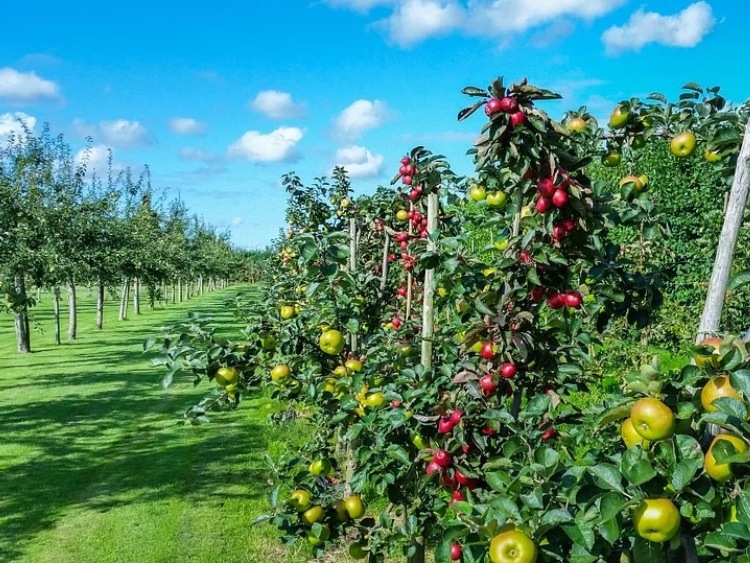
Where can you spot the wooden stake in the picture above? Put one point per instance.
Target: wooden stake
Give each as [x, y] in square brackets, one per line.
[428, 306]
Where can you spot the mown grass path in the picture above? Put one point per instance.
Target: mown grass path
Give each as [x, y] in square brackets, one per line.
[96, 467]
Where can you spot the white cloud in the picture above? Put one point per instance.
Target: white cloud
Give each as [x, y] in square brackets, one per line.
[359, 117]
[277, 105]
[416, 20]
[187, 126]
[359, 162]
[198, 155]
[26, 87]
[276, 146]
[121, 133]
[413, 21]
[237, 221]
[96, 159]
[11, 124]
[684, 29]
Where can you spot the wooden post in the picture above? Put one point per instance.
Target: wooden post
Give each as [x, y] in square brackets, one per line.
[428, 309]
[56, 290]
[409, 275]
[717, 287]
[386, 264]
[352, 268]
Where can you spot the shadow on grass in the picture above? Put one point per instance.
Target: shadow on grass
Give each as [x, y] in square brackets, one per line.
[83, 459]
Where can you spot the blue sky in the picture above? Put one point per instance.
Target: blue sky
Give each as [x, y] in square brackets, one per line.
[221, 99]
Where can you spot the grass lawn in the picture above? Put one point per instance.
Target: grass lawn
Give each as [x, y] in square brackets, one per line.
[95, 467]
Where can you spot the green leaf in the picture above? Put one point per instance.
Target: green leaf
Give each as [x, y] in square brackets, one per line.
[646, 551]
[683, 473]
[607, 476]
[399, 453]
[738, 280]
[636, 468]
[731, 406]
[740, 380]
[718, 540]
[615, 413]
[611, 505]
[610, 531]
[497, 480]
[581, 534]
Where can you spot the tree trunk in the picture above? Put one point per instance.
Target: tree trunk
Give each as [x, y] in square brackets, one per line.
[717, 287]
[124, 295]
[179, 290]
[21, 321]
[72, 312]
[58, 339]
[136, 296]
[38, 295]
[100, 306]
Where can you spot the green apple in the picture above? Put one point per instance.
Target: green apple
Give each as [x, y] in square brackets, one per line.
[711, 156]
[332, 342]
[612, 159]
[477, 192]
[682, 144]
[576, 125]
[619, 117]
[496, 199]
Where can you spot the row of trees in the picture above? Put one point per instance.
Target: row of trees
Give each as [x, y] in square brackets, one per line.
[62, 226]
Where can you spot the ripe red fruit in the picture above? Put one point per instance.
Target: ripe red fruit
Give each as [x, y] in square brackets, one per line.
[548, 434]
[456, 416]
[558, 232]
[406, 160]
[488, 431]
[492, 106]
[404, 170]
[508, 370]
[518, 118]
[414, 194]
[509, 104]
[462, 479]
[455, 551]
[525, 257]
[442, 458]
[449, 481]
[395, 403]
[546, 187]
[445, 425]
[404, 245]
[465, 448]
[556, 301]
[406, 179]
[568, 224]
[432, 468]
[487, 384]
[560, 199]
[396, 322]
[573, 299]
[488, 350]
[457, 496]
[544, 204]
[402, 291]
[537, 294]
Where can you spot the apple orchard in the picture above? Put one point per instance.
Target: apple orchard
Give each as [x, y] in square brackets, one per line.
[443, 338]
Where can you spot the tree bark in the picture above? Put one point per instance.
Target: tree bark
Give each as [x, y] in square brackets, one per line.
[136, 296]
[21, 320]
[124, 300]
[717, 287]
[58, 339]
[100, 306]
[72, 312]
[179, 290]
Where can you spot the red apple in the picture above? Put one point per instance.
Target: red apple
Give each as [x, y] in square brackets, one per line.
[568, 224]
[537, 294]
[509, 104]
[405, 170]
[558, 233]
[546, 187]
[441, 458]
[445, 425]
[457, 496]
[573, 299]
[432, 468]
[406, 179]
[488, 431]
[544, 204]
[487, 384]
[525, 257]
[492, 106]
[406, 160]
[560, 199]
[488, 350]
[508, 370]
[548, 434]
[518, 118]
[456, 416]
[455, 551]
[556, 300]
